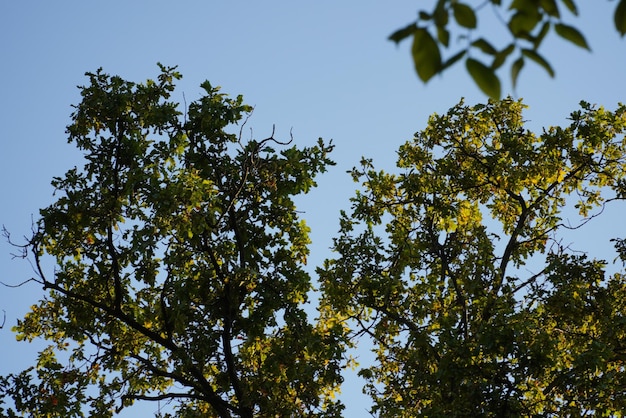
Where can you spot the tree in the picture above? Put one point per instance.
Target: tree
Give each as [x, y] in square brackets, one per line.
[477, 317]
[527, 23]
[179, 266]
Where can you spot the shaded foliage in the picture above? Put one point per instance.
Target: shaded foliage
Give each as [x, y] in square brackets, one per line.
[179, 271]
[526, 22]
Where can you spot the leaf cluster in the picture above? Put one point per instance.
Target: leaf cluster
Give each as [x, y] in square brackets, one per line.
[526, 23]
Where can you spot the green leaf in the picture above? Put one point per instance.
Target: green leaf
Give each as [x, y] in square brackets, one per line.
[484, 46]
[523, 23]
[533, 55]
[453, 60]
[620, 17]
[440, 15]
[426, 55]
[401, 34]
[484, 77]
[501, 56]
[524, 6]
[571, 6]
[571, 34]
[443, 36]
[550, 7]
[464, 15]
[425, 16]
[516, 67]
[542, 34]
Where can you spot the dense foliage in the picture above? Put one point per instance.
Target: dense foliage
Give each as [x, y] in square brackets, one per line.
[431, 260]
[179, 273]
[179, 266]
[523, 23]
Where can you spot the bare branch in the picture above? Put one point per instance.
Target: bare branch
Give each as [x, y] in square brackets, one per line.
[115, 266]
[163, 396]
[32, 279]
[530, 280]
[276, 141]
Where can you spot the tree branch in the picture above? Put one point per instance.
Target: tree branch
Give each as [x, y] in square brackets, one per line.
[221, 406]
[163, 396]
[115, 269]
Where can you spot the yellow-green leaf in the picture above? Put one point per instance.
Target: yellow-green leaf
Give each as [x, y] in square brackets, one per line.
[484, 77]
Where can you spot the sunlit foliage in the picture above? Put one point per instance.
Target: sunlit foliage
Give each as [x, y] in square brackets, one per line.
[454, 269]
[179, 275]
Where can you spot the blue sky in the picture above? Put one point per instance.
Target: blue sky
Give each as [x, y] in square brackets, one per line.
[323, 69]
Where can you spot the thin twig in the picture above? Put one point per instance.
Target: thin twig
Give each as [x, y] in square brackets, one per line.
[13, 286]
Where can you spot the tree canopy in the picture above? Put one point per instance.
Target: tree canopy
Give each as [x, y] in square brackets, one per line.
[525, 22]
[430, 267]
[179, 267]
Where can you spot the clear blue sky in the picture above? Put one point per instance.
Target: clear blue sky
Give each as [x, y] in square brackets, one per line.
[323, 69]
